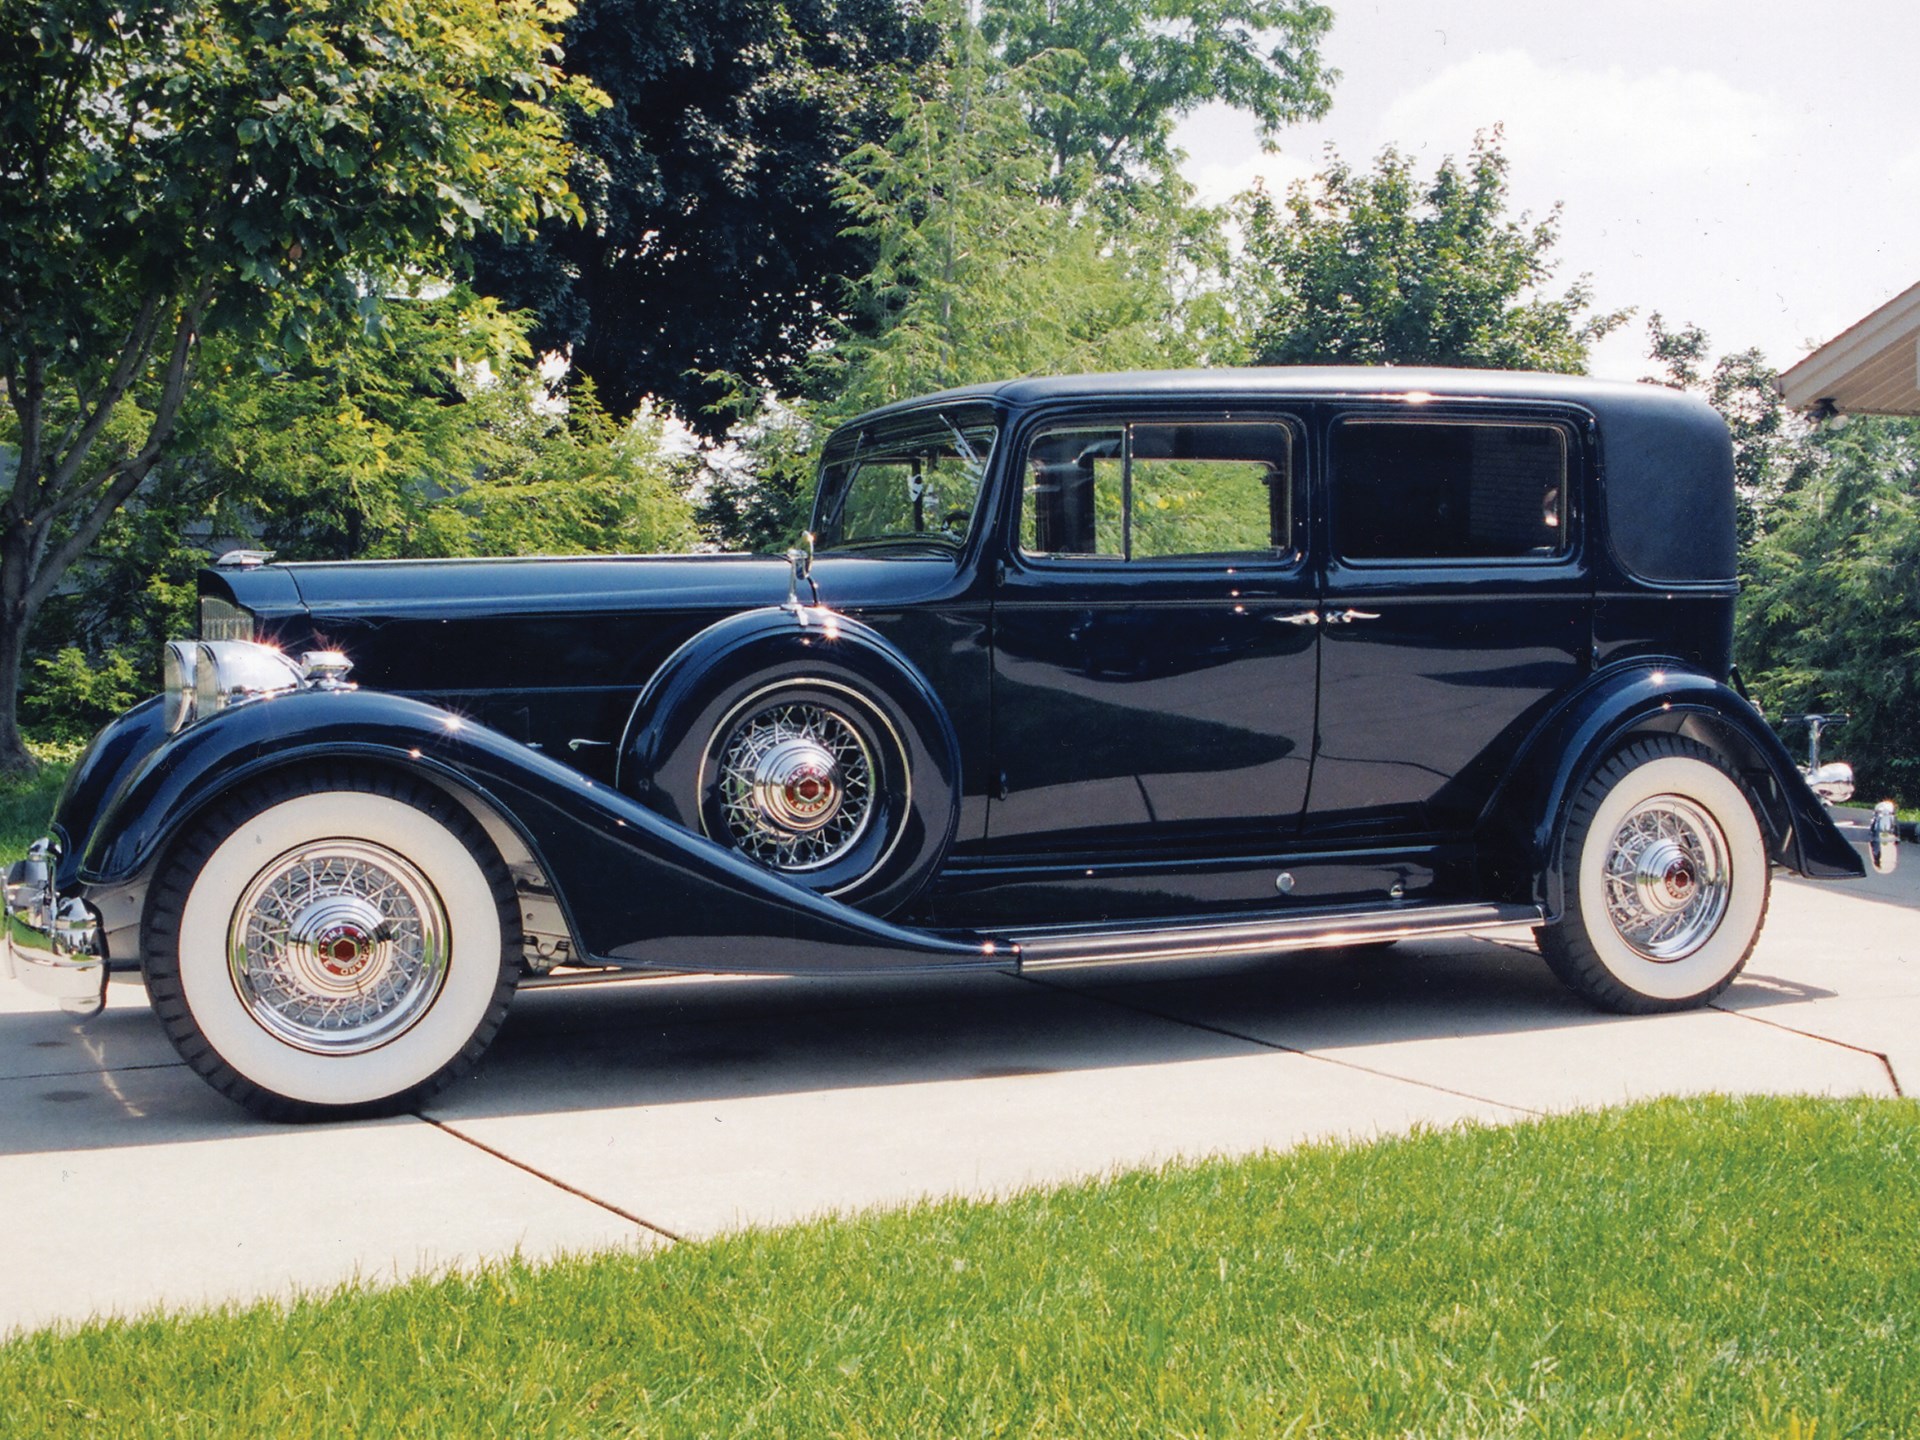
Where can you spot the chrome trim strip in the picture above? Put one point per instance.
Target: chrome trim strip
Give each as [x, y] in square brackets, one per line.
[1270, 933]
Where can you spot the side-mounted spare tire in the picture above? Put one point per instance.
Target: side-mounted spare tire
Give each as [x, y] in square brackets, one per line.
[813, 750]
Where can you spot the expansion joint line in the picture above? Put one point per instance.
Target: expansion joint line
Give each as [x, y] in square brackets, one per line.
[1886, 1062]
[1138, 1009]
[553, 1180]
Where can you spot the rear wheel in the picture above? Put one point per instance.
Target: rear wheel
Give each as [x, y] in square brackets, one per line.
[1667, 881]
[332, 944]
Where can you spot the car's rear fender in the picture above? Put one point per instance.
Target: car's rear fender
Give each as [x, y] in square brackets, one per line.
[1526, 819]
[632, 887]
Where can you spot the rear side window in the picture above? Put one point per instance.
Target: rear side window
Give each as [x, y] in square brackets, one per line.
[1216, 490]
[1449, 490]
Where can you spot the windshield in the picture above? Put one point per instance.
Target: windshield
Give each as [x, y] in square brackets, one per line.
[913, 483]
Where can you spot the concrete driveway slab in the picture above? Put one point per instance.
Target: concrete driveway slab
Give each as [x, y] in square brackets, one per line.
[36, 1039]
[1453, 1014]
[142, 1188]
[984, 1087]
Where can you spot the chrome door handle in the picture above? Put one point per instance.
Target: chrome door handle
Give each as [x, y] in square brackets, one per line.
[1305, 617]
[1347, 617]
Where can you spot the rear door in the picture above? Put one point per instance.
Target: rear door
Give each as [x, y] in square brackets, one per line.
[1457, 606]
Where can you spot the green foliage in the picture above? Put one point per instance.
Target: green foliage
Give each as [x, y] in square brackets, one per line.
[27, 800]
[73, 693]
[1692, 1270]
[982, 274]
[1381, 268]
[184, 170]
[758, 495]
[711, 242]
[432, 435]
[1104, 81]
[1830, 616]
[560, 483]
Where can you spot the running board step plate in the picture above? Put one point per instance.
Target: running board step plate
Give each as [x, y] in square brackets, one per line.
[1256, 935]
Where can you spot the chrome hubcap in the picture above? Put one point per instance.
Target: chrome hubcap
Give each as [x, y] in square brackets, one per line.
[1667, 878]
[338, 947]
[796, 786]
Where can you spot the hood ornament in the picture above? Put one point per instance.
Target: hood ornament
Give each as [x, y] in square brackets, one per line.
[800, 567]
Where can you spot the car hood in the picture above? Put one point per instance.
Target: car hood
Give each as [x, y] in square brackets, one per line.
[602, 583]
[473, 626]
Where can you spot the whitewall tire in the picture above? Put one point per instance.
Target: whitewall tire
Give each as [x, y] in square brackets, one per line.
[332, 944]
[1667, 880]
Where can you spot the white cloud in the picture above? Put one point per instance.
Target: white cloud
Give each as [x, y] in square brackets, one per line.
[1602, 124]
[1219, 180]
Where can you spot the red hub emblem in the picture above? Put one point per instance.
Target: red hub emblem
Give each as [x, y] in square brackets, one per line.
[343, 951]
[1679, 880]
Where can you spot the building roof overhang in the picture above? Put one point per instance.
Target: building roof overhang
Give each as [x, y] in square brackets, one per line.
[1872, 368]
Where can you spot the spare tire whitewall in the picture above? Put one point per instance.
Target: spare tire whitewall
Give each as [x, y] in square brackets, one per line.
[350, 948]
[1668, 880]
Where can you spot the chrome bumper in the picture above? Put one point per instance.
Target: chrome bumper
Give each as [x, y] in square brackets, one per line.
[52, 946]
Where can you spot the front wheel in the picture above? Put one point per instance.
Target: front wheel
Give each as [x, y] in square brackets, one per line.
[1667, 881]
[332, 945]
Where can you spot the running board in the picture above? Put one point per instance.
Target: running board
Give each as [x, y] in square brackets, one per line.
[1268, 933]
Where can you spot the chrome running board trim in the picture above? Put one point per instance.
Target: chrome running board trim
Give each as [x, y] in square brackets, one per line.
[1121, 945]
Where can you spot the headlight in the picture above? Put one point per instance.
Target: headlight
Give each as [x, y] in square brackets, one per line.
[204, 679]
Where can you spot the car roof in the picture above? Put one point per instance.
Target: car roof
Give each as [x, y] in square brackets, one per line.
[1669, 463]
[1299, 380]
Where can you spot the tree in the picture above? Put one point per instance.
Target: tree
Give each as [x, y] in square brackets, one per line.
[432, 436]
[980, 273]
[1768, 441]
[711, 242]
[178, 169]
[1380, 269]
[1830, 614]
[1105, 80]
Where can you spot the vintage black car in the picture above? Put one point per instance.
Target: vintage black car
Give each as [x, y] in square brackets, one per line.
[1081, 671]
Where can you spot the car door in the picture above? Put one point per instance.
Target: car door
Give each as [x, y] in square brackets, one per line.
[1154, 637]
[1457, 605]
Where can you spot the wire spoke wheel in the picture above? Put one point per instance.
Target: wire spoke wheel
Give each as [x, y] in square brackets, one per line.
[810, 778]
[1667, 878]
[796, 785]
[338, 947]
[332, 942]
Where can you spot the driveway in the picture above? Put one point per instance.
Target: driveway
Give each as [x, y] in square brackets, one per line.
[636, 1113]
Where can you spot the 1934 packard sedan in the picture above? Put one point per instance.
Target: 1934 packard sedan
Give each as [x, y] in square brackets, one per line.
[1087, 670]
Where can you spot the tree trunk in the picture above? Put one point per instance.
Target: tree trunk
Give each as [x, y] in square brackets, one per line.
[16, 615]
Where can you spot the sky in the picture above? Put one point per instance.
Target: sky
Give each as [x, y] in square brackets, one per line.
[1752, 168]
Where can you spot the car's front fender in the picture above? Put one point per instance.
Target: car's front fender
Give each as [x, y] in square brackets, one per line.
[1529, 811]
[634, 887]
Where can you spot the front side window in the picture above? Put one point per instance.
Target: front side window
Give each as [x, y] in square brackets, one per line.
[1160, 491]
[911, 485]
[1449, 490]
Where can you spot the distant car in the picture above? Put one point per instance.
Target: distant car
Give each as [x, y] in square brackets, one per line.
[1087, 670]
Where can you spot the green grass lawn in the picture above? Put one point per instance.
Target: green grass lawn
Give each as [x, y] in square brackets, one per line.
[1706, 1268]
[26, 806]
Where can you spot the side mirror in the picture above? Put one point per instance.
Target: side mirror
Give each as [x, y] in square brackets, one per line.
[1883, 838]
